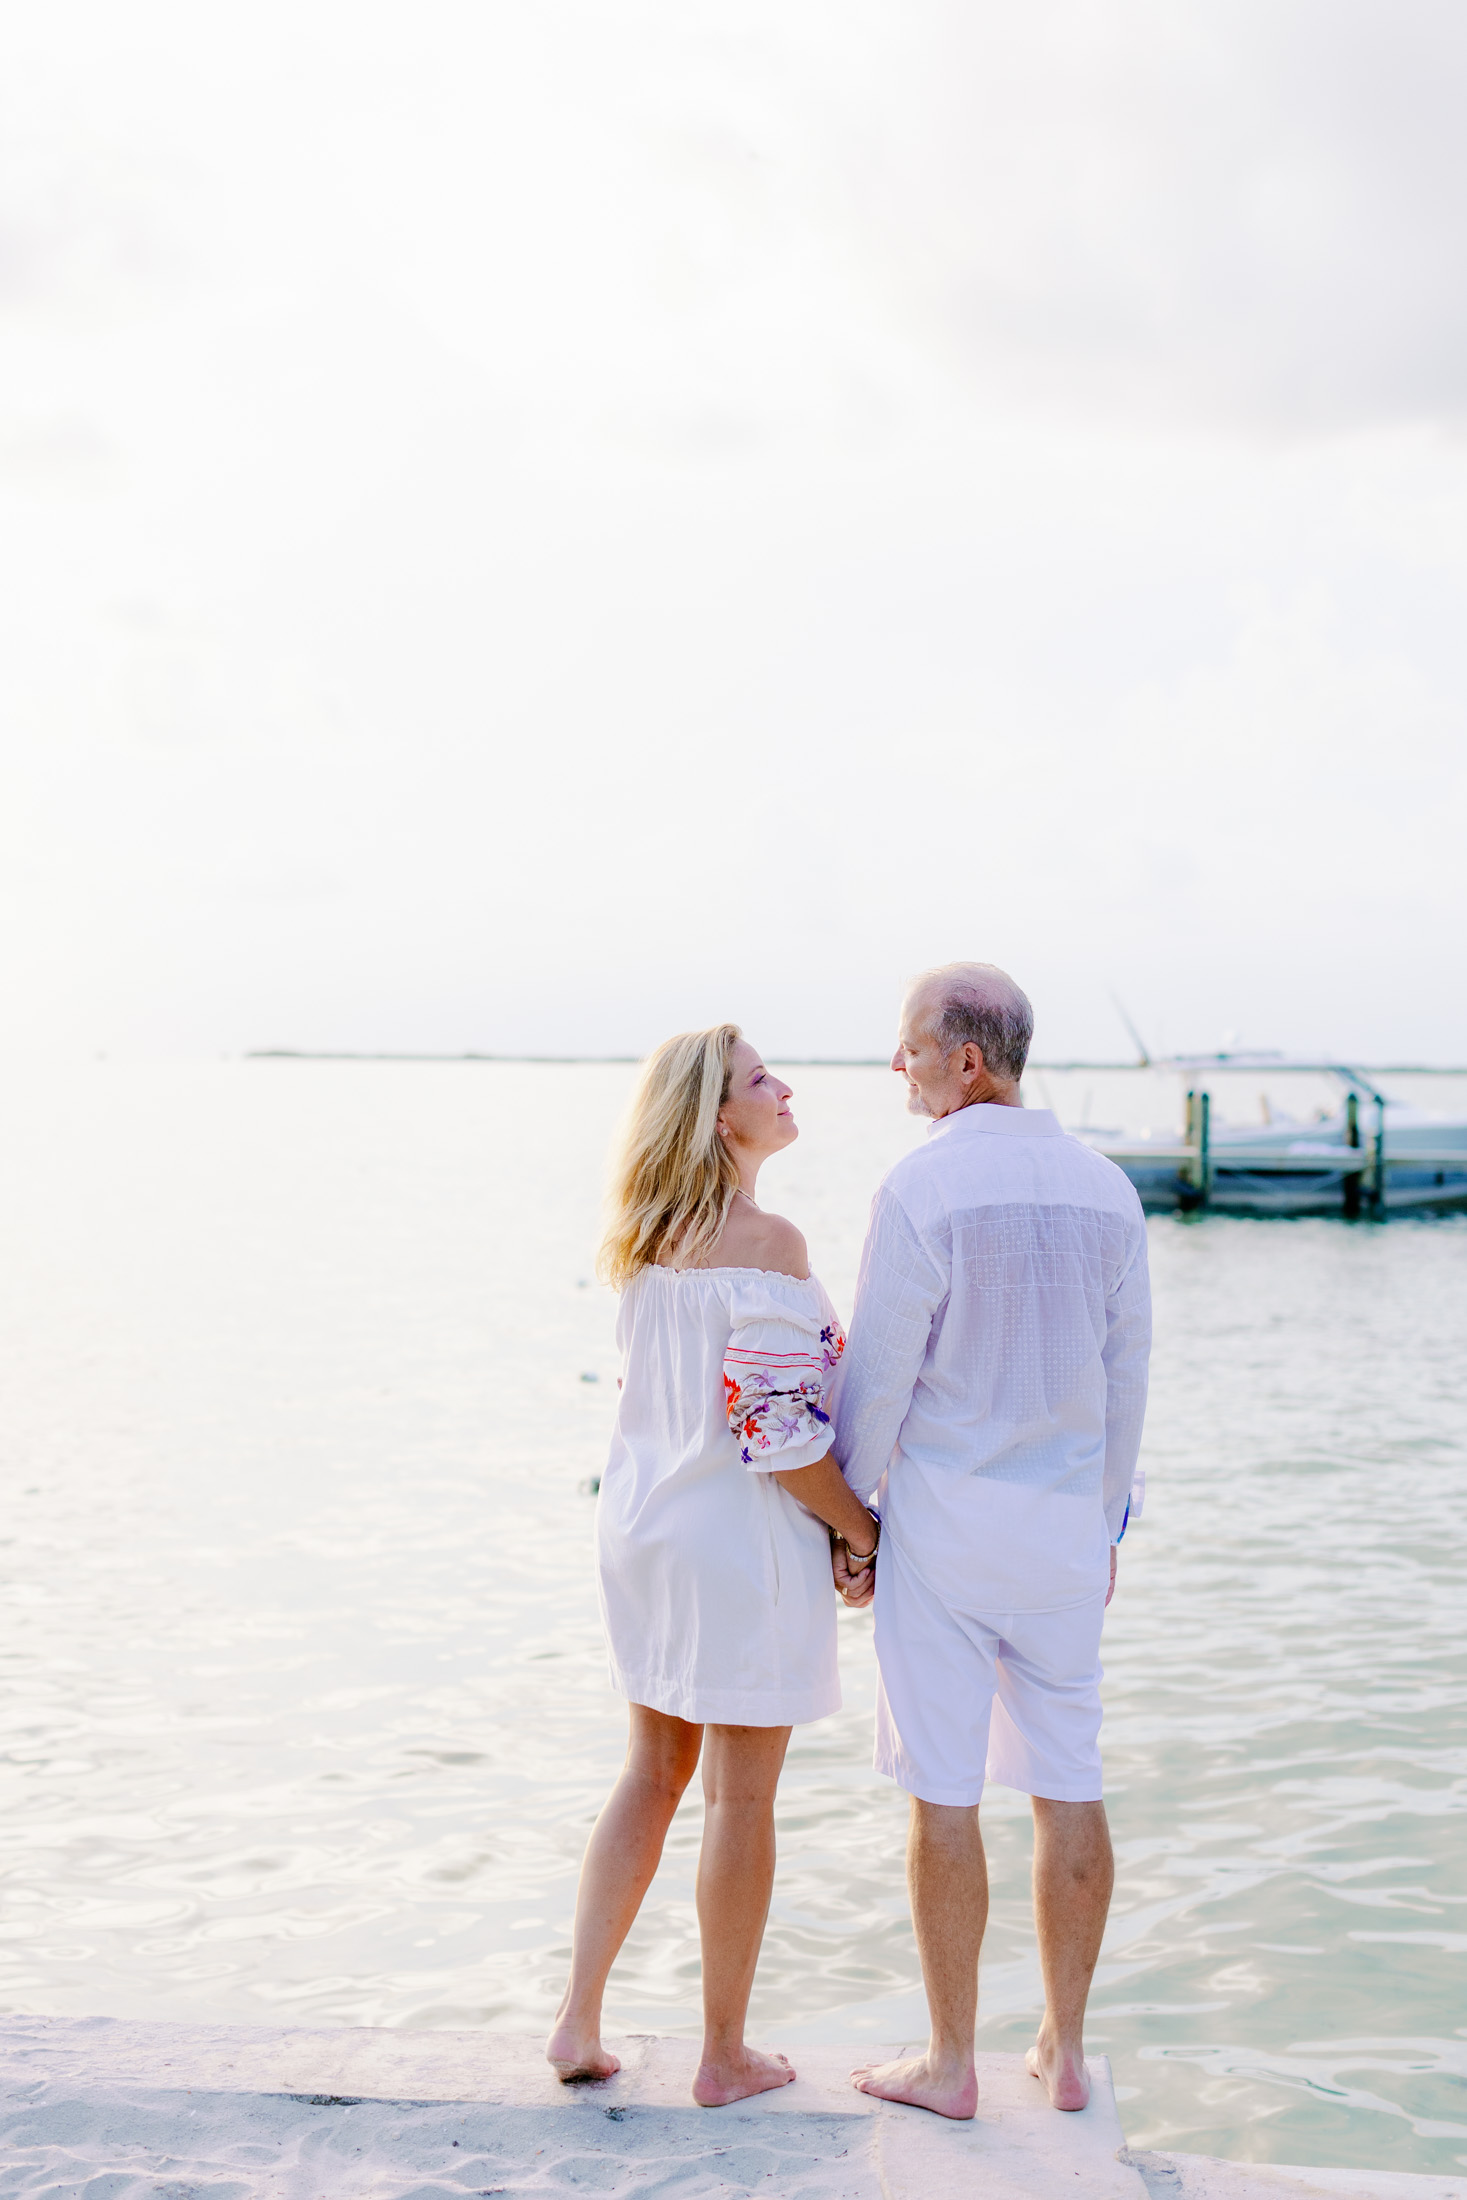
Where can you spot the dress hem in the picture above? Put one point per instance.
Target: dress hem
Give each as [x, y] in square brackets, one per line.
[727, 1706]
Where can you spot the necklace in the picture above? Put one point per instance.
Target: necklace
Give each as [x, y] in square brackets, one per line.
[752, 1201]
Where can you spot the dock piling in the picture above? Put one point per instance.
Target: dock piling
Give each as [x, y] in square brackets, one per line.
[1196, 1170]
[1352, 1138]
[1204, 1144]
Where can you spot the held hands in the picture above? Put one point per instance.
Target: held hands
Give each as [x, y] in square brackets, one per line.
[822, 1489]
[855, 1577]
[856, 1582]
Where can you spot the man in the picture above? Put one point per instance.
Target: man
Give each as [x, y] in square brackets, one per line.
[993, 1388]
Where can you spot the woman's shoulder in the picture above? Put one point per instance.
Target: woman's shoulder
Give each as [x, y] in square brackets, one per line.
[753, 1239]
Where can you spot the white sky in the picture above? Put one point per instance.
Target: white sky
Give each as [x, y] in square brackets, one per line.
[530, 525]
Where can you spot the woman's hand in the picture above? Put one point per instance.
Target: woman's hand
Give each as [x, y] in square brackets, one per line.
[856, 1585]
[823, 1490]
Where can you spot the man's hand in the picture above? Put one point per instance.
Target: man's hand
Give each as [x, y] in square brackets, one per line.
[857, 1587]
[1110, 1592]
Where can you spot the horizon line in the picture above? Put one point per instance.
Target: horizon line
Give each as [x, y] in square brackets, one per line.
[798, 1061]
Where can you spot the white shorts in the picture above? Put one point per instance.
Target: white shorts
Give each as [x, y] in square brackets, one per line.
[1010, 1696]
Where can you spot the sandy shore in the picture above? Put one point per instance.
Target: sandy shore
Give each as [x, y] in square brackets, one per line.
[118, 2111]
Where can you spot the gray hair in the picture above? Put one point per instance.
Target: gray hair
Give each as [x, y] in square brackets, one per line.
[981, 1003]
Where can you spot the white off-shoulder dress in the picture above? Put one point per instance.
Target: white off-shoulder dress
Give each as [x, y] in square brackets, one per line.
[715, 1582]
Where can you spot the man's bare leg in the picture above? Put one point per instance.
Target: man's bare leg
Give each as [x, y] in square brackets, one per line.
[1074, 1871]
[947, 1877]
[621, 1857]
[741, 1768]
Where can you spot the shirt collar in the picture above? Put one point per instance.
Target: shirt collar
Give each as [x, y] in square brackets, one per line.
[989, 1116]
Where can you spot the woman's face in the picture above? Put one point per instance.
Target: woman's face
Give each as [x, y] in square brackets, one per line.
[755, 1119]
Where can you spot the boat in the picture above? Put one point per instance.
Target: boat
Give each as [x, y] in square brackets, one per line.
[1372, 1156]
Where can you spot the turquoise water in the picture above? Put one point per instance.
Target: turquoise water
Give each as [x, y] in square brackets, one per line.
[305, 1713]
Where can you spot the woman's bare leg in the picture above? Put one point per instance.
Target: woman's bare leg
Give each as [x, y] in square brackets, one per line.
[741, 1768]
[621, 1857]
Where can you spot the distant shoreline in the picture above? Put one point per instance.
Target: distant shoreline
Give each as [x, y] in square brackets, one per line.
[811, 1061]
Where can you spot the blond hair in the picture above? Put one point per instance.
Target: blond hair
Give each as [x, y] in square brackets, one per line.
[673, 1180]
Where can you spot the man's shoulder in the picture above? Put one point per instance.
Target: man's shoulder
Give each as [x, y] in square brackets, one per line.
[909, 1180]
[1108, 1178]
[1081, 1155]
[946, 1173]
[914, 1200]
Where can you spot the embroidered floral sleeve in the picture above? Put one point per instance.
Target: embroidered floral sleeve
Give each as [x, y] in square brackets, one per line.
[775, 1380]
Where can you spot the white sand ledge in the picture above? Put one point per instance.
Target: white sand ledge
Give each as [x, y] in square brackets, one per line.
[126, 2111]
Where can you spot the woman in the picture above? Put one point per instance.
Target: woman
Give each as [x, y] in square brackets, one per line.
[713, 1532]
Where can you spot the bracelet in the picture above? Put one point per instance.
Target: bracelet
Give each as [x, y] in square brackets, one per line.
[860, 1560]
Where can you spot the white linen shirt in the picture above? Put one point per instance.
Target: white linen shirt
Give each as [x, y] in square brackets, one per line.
[995, 1373]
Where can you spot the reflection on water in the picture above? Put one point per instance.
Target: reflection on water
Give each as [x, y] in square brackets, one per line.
[304, 1700]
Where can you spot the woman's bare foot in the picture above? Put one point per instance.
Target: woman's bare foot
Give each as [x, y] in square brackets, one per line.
[947, 2089]
[577, 2056]
[734, 2077]
[1061, 2071]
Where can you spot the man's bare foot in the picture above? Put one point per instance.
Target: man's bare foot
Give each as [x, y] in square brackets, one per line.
[1061, 2071]
[577, 2057]
[948, 2090]
[734, 2077]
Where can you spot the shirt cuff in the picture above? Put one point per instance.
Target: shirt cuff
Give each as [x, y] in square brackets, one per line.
[1134, 1503]
[790, 1456]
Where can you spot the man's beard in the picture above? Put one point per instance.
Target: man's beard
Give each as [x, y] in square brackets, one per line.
[916, 1105]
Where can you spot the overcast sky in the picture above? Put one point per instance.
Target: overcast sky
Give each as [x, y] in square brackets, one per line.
[531, 525]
